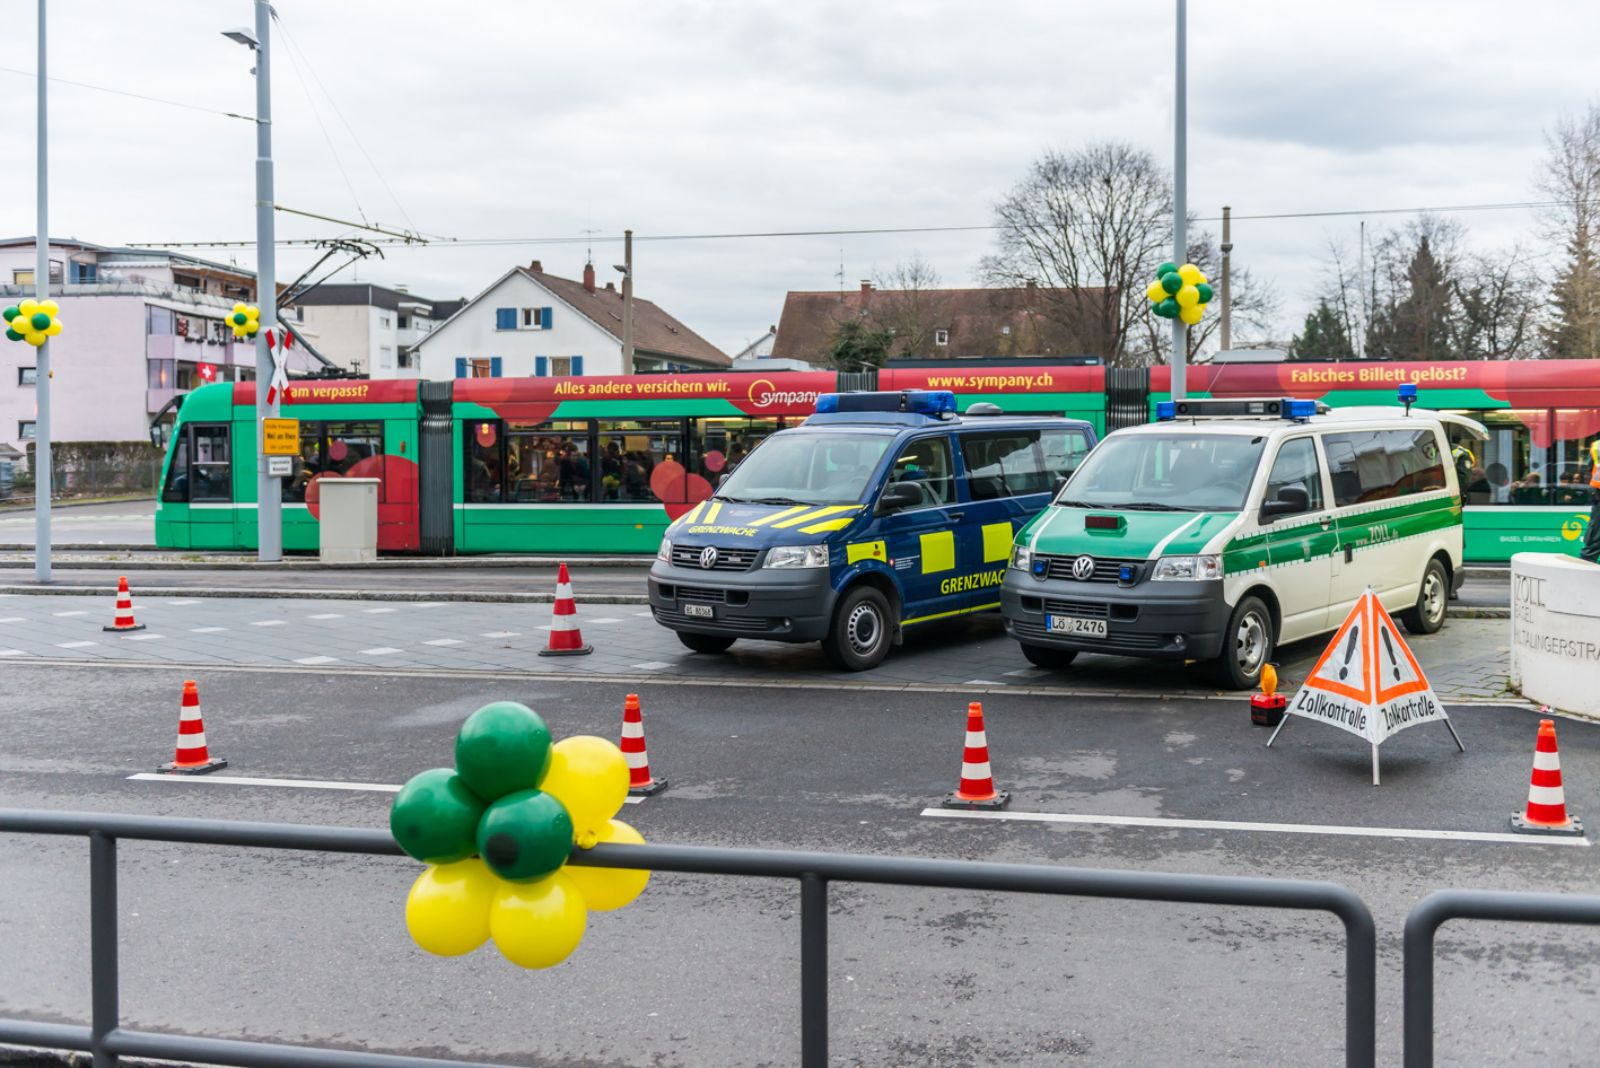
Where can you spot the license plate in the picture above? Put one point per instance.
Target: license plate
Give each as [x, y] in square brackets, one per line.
[1083, 628]
[698, 611]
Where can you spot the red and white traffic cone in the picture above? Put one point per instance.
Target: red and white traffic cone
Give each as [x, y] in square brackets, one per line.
[123, 621]
[192, 757]
[640, 782]
[977, 781]
[565, 637]
[1547, 801]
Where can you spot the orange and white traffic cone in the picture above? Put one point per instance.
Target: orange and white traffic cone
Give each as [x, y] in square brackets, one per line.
[123, 621]
[1547, 801]
[565, 637]
[976, 789]
[640, 782]
[192, 757]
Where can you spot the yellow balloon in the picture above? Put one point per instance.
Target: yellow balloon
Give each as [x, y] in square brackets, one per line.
[1191, 274]
[589, 776]
[238, 308]
[28, 307]
[50, 308]
[1156, 293]
[538, 924]
[605, 889]
[1191, 314]
[1188, 297]
[54, 328]
[34, 338]
[447, 911]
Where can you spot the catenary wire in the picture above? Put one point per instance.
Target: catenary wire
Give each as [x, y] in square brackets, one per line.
[135, 96]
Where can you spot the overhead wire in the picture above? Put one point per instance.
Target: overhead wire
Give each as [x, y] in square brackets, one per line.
[294, 64]
[133, 95]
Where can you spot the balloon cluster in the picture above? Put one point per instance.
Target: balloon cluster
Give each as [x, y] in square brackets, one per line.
[496, 833]
[1179, 292]
[245, 320]
[33, 321]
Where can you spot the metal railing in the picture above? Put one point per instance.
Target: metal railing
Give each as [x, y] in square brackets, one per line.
[106, 1040]
[1434, 910]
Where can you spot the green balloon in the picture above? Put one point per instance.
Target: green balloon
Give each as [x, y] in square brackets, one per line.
[503, 748]
[239, 318]
[1205, 293]
[1166, 268]
[435, 817]
[11, 312]
[40, 320]
[13, 335]
[1167, 309]
[1172, 281]
[525, 836]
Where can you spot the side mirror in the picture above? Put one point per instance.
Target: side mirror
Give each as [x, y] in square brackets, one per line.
[899, 495]
[721, 479]
[157, 435]
[1058, 485]
[1292, 500]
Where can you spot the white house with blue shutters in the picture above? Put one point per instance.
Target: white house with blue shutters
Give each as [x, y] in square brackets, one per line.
[533, 324]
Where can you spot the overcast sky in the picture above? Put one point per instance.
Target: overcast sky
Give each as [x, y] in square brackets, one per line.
[521, 119]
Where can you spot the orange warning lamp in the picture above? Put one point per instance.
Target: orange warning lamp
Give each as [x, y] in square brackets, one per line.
[1266, 707]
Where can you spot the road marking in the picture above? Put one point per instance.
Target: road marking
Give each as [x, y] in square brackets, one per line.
[74, 612]
[1280, 828]
[604, 619]
[327, 615]
[143, 637]
[183, 602]
[982, 682]
[378, 611]
[382, 650]
[289, 784]
[311, 660]
[651, 665]
[645, 615]
[11, 619]
[442, 641]
[429, 604]
[206, 630]
[1026, 673]
[12, 652]
[269, 623]
[499, 634]
[75, 645]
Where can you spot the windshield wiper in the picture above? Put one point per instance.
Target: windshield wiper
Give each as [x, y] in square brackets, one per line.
[780, 500]
[1150, 506]
[1077, 504]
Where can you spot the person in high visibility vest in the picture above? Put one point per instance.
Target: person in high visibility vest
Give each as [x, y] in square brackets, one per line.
[1591, 537]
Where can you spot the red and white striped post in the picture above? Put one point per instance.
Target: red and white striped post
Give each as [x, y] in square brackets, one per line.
[565, 637]
[640, 782]
[192, 757]
[976, 789]
[1547, 800]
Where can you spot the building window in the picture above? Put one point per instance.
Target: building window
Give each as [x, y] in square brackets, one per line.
[27, 430]
[27, 376]
[941, 337]
[22, 278]
[385, 357]
[162, 373]
[383, 321]
[83, 272]
[561, 366]
[401, 322]
[299, 315]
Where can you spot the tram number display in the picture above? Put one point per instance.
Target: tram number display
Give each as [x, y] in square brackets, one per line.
[280, 437]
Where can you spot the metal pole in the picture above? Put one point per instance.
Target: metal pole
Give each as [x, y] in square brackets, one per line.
[269, 505]
[102, 946]
[41, 283]
[1180, 238]
[627, 302]
[1226, 326]
[813, 971]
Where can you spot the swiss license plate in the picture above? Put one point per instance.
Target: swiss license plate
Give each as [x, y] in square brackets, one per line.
[1083, 628]
[698, 611]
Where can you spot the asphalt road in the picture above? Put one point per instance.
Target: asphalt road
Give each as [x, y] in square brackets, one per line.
[115, 523]
[704, 970]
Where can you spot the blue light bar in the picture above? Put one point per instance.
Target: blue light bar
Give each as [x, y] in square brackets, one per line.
[929, 402]
[1299, 409]
[1408, 391]
[1166, 410]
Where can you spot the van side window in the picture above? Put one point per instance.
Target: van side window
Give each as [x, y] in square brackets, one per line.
[1297, 465]
[927, 463]
[1005, 464]
[1063, 451]
[1376, 465]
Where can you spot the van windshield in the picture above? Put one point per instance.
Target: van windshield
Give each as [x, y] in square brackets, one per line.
[800, 468]
[1181, 472]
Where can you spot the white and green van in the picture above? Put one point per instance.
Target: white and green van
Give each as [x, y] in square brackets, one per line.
[1228, 526]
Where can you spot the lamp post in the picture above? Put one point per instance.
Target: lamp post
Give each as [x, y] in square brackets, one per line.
[41, 374]
[626, 268]
[1180, 221]
[269, 506]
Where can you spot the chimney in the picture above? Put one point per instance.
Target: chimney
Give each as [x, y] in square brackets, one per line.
[536, 267]
[1032, 285]
[611, 287]
[588, 277]
[866, 288]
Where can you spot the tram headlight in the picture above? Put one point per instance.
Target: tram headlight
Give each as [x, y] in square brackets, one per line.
[796, 556]
[665, 552]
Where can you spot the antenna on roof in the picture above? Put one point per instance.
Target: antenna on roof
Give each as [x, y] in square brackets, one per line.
[840, 275]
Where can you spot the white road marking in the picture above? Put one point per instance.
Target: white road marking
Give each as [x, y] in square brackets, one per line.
[651, 665]
[605, 619]
[75, 645]
[317, 660]
[269, 622]
[442, 641]
[499, 634]
[327, 615]
[1279, 828]
[645, 615]
[1026, 673]
[206, 630]
[12, 652]
[292, 784]
[143, 637]
[982, 682]
[429, 604]
[11, 619]
[183, 602]
[382, 650]
[378, 611]
[75, 612]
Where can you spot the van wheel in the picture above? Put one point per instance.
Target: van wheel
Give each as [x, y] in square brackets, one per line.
[1247, 644]
[1047, 657]
[862, 630]
[1427, 615]
[705, 643]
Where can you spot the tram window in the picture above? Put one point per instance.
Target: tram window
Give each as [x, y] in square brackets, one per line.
[1513, 459]
[719, 444]
[1575, 430]
[177, 488]
[335, 450]
[545, 463]
[210, 474]
[485, 461]
[631, 451]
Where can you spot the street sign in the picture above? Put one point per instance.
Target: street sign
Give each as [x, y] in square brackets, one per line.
[280, 466]
[280, 437]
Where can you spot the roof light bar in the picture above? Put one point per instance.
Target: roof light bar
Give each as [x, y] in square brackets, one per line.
[929, 402]
[1239, 408]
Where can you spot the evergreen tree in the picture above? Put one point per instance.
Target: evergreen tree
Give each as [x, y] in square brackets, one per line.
[1418, 326]
[1574, 330]
[1325, 336]
[856, 347]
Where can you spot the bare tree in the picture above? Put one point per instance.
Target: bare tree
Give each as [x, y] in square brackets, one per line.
[1498, 299]
[909, 302]
[1571, 179]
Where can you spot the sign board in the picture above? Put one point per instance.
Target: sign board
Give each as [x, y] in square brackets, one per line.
[279, 466]
[280, 437]
[1368, 682]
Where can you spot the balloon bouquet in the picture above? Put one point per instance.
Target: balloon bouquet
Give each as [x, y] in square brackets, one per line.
[1179, 292]
[245, 320]
[33, 321]
[496, 833]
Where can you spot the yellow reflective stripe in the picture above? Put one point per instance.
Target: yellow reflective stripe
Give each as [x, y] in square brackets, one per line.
[711, 514]
[827, 525]
[764, 520]
[947, 615]
[865, 550]
[996, 542]
[938, 551]
[820, 513]
[691, 515]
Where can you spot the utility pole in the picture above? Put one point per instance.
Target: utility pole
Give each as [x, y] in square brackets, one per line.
[627, 302]
[1180, 237]
[41, 285]
[1227, 250]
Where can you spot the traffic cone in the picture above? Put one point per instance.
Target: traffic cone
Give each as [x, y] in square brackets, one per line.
[123, 621]
[640, 784]
[977, 781]
[1547, 801]
[565, 637]
[192, 757]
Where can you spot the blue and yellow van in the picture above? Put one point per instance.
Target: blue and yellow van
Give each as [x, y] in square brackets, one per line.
[880, 512]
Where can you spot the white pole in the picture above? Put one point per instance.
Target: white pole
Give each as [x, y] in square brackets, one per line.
[269, 504]
[1180, 239]
[41, 285]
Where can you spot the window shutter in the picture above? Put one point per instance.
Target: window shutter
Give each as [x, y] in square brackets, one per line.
[461, 367]
[544, 317]
[577, 366]
[505, 318]
[494, 367]
[541, 366]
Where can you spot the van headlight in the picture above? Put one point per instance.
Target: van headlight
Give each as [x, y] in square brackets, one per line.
[665, 552]
[1188, 568]
[1021, 558]
[796, 556]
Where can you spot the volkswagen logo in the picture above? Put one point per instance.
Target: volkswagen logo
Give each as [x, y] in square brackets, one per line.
[708, 557]
[1083, 568]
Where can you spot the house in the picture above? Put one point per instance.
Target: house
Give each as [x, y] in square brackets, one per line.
[139, 327]
[946, 323]
[367, 329]
[529, 323]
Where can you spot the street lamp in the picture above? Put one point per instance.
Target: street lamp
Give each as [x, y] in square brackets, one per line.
[269, 506]
[626, 267]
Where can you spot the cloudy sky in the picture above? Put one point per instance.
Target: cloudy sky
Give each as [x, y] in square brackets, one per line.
[524, 120]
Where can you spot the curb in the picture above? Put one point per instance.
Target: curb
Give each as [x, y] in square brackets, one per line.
[259, 593]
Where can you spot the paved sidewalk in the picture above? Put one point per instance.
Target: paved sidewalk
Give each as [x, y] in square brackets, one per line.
[1466, 660]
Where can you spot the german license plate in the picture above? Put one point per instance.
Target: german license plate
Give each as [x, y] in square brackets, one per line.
[698, 611]
[1082, 628]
